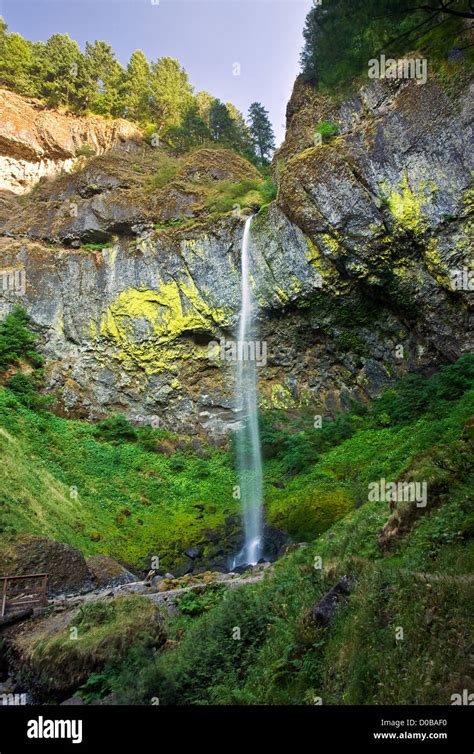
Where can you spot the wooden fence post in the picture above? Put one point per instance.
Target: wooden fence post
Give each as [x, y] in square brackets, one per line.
[4, 596]
[44, 597]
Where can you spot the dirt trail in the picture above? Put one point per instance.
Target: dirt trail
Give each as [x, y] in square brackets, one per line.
[163, 597]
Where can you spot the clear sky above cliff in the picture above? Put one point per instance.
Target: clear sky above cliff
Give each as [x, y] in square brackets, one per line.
[207, 36]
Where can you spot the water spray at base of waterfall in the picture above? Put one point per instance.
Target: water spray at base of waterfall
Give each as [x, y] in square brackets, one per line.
[247, 437]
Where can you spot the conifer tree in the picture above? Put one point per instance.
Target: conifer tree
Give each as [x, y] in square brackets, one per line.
[262, 132]
[138, 88]
[58, 62]
[108, 77]
[16, 61]
[171, 94]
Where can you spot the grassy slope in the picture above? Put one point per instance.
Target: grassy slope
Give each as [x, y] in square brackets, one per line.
[132, 502]
[45, 456]
[105, 630]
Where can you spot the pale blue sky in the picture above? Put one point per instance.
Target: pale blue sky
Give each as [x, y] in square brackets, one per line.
[207, 36]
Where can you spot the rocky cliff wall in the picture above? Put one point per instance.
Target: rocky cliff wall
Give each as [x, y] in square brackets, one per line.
[353, 266]
[37, 142]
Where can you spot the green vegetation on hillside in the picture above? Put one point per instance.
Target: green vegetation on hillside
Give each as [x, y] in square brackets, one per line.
[341, 36]
[123, 499]
[263, 136]
[226, 196]
[130, 492]
[20, 364]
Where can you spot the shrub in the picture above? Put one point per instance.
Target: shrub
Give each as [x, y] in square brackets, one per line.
[194, 603]
[453, 381]
[147, 438]
[415, 394]
[96, 246]
[150, 133]
[16, 340]
[116, 429]
[167, 170]
[177, 463]
[207, 655]
[85, 151]
[326, 129]
[268, 191]
[25, 387]
[228, 194]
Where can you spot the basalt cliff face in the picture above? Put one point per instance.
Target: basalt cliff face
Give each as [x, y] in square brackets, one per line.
[355, 265]
[36, 142]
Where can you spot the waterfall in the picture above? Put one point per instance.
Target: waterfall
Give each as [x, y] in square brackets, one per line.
[247, 438]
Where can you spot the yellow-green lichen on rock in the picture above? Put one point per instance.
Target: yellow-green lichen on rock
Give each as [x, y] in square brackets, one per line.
[331, 243]
[435, 265]
[199, 247]
[146, 325]
[279, 397]
[328, 274]
[281, 295]
[468, 199]
[405, 206]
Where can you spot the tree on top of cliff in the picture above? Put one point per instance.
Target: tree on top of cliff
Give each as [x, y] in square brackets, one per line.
[16, 61]
[157, 95]
[221, 124]
[341, 36]
[192, 131]
[262, 132]
[108, 78]
[171, 93]
[243, 139]
[55, 69]
[138, 87]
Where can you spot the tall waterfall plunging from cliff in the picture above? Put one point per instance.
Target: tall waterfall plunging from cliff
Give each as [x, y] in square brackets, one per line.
[249, 455]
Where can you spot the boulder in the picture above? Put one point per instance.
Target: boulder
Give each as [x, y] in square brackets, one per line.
[242, 568]
[323, 611]
[193, 552]
[73, 701]
[107, 572]
[66, 567]
[273, 540]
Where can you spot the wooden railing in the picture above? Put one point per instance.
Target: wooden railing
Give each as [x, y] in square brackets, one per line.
[23, 592]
